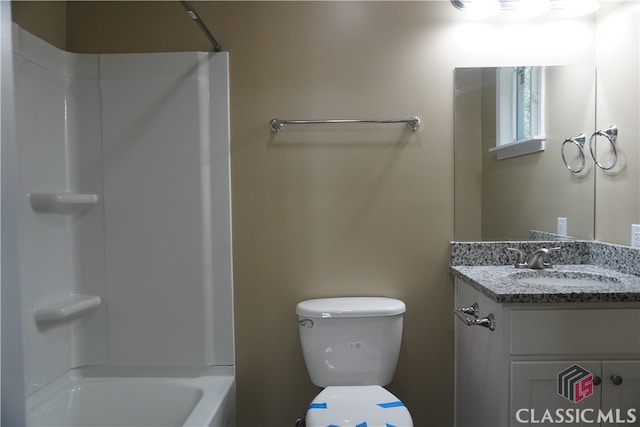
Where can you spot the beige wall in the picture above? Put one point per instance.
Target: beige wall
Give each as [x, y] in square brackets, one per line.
[321, 211]
[617, 191]
[46, 19]
[468, 154]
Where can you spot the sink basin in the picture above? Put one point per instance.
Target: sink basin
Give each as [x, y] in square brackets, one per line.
[563, 278]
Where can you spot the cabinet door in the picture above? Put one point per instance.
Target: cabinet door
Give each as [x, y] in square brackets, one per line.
[536, 398]
[621, 392]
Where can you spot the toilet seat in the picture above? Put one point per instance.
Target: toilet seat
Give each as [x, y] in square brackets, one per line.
[357, 406]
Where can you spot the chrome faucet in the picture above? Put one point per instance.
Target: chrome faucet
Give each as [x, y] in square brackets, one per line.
[537, 260]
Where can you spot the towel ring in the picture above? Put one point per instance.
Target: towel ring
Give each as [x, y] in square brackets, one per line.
[611, 133]
[579, 141]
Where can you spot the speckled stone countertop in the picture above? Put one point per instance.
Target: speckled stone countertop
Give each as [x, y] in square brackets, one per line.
[489, 268]
[501, 284]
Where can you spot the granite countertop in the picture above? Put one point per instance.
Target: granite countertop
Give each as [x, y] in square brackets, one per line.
[504, 284]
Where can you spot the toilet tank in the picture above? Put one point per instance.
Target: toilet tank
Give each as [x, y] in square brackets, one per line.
[352, 340]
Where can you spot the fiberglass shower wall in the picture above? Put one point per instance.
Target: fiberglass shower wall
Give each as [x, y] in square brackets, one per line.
[125, 254]
[61, 245]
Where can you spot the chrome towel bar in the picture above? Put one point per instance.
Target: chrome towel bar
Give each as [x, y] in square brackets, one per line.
[276, 125]
[488, 321]
[463, 313]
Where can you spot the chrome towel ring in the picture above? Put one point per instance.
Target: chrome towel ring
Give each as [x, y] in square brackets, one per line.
[611, 133]
[579, 141]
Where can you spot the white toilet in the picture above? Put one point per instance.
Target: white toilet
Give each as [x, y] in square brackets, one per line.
[351, 348]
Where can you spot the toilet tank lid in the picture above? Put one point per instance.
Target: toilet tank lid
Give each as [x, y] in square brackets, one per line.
[350, 307]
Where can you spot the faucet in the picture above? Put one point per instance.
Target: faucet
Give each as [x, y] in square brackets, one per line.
[537, 260]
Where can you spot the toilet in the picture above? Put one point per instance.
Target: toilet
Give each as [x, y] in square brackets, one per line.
[350, 347]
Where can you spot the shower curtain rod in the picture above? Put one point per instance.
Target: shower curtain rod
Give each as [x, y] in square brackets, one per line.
[196, 18]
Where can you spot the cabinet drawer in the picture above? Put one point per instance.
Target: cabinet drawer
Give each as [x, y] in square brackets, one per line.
[575, 331]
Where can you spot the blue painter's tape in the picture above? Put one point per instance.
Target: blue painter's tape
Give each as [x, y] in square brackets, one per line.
[318, 406]
[364, 424]
[332, 425]
[391, 404]
[389, 425]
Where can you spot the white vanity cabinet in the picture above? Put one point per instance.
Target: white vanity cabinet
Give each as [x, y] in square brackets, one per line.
[509, 376]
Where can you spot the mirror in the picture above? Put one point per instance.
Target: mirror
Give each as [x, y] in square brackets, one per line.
[505, 199]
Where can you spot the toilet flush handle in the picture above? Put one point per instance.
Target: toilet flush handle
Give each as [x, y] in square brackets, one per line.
[306, 323]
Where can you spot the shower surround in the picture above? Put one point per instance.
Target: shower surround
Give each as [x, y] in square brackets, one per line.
[124, 237]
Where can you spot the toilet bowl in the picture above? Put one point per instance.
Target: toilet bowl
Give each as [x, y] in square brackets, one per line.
[351, 347]
[357, 406]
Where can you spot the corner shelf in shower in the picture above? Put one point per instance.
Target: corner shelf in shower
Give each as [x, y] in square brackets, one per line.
[66, 308]
[64, 203]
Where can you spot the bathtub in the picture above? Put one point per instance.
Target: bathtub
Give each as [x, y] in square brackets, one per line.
[109, 397]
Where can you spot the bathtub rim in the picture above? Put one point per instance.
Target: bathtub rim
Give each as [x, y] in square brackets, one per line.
[217, 384]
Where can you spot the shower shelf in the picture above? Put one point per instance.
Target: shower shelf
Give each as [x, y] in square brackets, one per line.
[67, 307]
[61, 202]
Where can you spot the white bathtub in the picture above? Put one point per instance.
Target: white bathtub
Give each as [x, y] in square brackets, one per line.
[105, 397]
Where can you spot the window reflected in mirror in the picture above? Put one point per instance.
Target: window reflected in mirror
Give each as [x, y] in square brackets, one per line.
[501, 194]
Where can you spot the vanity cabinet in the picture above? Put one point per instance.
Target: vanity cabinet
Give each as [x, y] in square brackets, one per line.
[510, 376]
[615, 393]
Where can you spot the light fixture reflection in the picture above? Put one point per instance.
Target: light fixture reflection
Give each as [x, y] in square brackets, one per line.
[478, 8]
[581, 7]
[482, 8]
[531, 8]
[526, 8]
